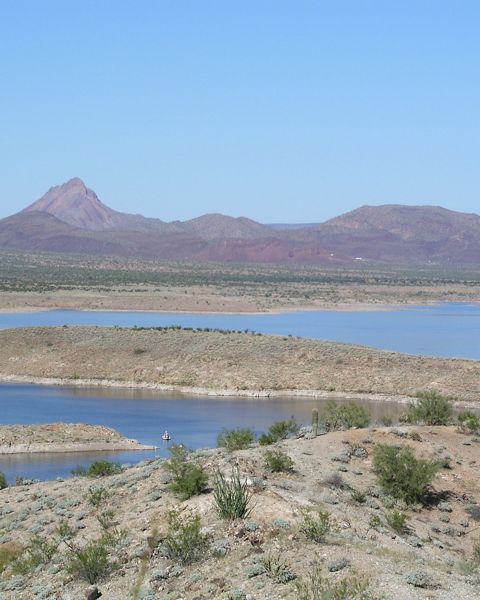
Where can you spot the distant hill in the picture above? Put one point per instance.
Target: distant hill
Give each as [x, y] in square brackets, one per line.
[70, 218]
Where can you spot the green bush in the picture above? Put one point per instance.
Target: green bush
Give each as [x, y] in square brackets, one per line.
[236, 439]
[397, 520]
[277, 568]
[430, 408]
[468, 422]
[99, 468]
[317, 587]
[184, 540]
[231, 497]
[336, 416]
[279, 431]
[189, 479]
[3, 481]
[91, 562]
[316, 526]
[401, 474]
[277, 461]
[96, 496]
[39, 551]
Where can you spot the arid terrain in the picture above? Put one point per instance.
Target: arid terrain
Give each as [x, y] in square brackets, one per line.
[62, 437]
[265, 555]
[30, 281]
[225, 363]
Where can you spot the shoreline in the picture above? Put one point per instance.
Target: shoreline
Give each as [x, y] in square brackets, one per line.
[217, 392]
[325, 307]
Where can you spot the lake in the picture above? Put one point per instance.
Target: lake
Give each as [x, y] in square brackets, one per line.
[447, 330]
[142, 415]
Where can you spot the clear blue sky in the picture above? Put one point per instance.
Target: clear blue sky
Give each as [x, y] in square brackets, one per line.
[283, 111]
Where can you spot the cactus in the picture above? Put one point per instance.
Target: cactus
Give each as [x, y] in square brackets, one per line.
[315, 421]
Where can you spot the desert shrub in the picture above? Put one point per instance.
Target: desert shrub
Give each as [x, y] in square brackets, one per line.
[97, 495]
[189, 479]
[236, 439]
[231, 497]
[3, 481]
[430, 408]
[279, 431]
[184, 540]
[64, 530]
[106, 519]
[317, 587]
[334, 480]
[358, 496]
[38, 551]
[401, 474]
[277, 461]
[468, 422]
[9, 553]
[316, 526]
[397, 520]
[344, 416]
[91, 562]
[473, 510]
[277, 568]
[99, 468]
[103, 468]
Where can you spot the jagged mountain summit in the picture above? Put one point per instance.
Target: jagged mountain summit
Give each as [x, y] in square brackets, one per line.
[71, 218]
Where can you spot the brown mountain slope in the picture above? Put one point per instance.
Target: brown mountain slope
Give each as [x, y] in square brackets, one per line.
[397, 233]
[71, 218]
[76, 204]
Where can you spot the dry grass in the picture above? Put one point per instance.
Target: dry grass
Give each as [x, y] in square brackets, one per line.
[228, 361]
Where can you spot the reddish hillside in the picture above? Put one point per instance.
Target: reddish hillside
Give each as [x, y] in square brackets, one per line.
[71, 218]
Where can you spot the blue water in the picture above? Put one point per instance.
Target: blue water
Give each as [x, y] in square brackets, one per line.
[142, 415]
[448, 330]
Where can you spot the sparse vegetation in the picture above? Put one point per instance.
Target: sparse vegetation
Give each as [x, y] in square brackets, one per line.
[277, 461]
[236, 439]
[277, 568]
[318, 587]
[316, 525]
[189, 479]
[401, 474]
[468, 422]
[397, 520]
[430, 408]
[184, 540]
[3, 481]
[91, 562]
[350, 415]
[97, 495]
[279, 431]
[232, 497]
[38, 551]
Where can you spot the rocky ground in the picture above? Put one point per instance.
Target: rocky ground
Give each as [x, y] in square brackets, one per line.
[266, 555]
[62, 437]
[226, 363]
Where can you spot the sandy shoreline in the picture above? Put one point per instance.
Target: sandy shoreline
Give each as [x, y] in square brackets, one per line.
[341, 307]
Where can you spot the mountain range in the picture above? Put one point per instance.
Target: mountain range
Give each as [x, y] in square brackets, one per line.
[70, 218]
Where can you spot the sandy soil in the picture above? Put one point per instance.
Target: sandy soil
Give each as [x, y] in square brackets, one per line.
[226, 363]
[432, 559]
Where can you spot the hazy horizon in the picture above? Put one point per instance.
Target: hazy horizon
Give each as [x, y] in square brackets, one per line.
[280, 112]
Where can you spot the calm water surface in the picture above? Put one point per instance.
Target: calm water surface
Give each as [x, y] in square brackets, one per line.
[450, 330]
[143, 415]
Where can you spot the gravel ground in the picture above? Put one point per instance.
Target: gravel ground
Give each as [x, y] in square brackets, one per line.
[433, 559]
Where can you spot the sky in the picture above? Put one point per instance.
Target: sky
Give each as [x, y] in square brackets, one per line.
[282, 111]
